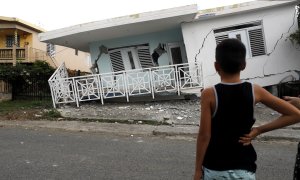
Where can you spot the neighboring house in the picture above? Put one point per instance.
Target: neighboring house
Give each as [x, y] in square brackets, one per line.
[173, 49]
[19, 43]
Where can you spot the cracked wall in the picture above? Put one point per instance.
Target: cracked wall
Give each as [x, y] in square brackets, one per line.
[281, 59]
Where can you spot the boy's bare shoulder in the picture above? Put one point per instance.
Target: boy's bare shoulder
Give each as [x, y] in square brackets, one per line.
[256, 85]
[207, 90]
[257, 88]
[260, 93]
[208, 93]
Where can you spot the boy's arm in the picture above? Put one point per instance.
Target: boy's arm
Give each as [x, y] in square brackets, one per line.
[290, 114]
[295, 101]
[204, 130]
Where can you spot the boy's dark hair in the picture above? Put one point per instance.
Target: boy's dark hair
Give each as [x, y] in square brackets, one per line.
[231, 55]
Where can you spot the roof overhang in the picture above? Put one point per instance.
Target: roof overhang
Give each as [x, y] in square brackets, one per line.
[12, 22]
[241, 8]
[79, 36]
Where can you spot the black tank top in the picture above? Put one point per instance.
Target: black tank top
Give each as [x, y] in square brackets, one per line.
[233, 117]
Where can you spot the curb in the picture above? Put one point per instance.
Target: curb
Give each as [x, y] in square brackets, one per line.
[140, 129]
[287, 134]
[177, 130]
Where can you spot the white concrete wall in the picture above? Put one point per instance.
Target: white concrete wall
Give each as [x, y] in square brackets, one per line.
[264, 70]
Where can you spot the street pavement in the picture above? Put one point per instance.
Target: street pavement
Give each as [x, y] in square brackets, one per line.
[42, 153]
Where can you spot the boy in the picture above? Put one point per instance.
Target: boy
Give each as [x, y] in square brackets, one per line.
[224, 149]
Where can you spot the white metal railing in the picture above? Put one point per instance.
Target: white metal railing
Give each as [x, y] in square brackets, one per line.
[173, 78]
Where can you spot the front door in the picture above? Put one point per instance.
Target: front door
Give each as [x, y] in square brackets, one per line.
[176, 56]
[130, 58]
[175, 53]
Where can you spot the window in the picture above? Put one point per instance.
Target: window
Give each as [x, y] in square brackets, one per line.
[10, 41]
[116, 61]
[250, 34]
[51, 49]
[130, 57]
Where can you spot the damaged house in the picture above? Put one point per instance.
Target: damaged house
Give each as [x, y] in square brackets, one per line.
[172, 50]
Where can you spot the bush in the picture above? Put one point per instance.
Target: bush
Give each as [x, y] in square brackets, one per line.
[25, 71]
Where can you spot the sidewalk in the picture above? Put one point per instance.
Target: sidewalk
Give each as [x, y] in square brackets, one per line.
[165, 118]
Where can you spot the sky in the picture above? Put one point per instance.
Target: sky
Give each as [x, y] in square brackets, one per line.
[56, 14]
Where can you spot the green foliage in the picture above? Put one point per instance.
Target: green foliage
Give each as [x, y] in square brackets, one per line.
[25, 71]
[295, 37]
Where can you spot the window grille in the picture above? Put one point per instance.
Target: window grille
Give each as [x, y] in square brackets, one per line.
[139, 57]
[255, 42]
[221, 38]
[145, 57]
[116, 61]
[51, 49]
[10, 41]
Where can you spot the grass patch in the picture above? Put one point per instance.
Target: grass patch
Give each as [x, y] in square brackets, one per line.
[23, 105]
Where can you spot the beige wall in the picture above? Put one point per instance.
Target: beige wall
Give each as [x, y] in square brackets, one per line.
[79, 62]
[2, 40]
[67, 55]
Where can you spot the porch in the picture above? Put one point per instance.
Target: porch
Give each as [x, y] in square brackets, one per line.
[23, 55]
[152, 81]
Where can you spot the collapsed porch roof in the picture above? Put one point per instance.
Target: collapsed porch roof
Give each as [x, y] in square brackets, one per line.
[79, 36]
